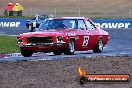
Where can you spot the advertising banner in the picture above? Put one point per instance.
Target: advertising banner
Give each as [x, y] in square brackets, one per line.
[12, 22]
[103, 23]
[114, 23]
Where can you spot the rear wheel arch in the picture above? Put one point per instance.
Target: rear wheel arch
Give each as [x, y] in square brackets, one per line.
[101, 39]
[99, 46]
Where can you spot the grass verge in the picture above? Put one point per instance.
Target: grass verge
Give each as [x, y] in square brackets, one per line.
[8, 44]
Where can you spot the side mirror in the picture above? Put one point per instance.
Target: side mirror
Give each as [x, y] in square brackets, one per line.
[97, 26]
[81, 27]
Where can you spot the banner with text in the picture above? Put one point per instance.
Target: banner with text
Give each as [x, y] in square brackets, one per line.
[103, 23]
[12, 22]
[114, 23]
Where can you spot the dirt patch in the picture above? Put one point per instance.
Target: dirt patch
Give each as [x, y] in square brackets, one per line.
[61, 73]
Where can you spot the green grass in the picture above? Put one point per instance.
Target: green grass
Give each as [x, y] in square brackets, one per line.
[8, 44]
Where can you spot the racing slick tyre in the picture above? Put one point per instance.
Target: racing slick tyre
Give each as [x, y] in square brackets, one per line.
[99, 46]
[30, 28]
[70, 48]
[26, 53]
[57, 52]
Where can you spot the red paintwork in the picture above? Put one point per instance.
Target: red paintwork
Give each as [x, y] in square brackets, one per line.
[9, 7]
[78, 35]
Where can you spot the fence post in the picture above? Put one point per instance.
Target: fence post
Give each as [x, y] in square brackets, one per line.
[79, 12]
[130, 13]
[55, 12]
[31, 12]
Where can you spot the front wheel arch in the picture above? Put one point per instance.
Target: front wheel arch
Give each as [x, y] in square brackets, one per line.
[70, 49]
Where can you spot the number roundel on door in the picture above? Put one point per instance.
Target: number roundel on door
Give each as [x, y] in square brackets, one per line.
[85, 41]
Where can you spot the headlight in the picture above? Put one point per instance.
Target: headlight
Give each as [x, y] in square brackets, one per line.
[59, 39]
[19, 40]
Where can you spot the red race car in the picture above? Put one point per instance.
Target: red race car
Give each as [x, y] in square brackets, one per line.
[63, 35]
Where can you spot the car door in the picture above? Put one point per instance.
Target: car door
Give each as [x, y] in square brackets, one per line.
[93, 34]
[82, 43]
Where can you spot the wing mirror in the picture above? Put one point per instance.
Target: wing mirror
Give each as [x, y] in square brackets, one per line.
[97, 26]
[82, 28]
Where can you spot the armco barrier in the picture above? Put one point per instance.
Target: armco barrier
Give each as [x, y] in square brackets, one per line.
[103, 23]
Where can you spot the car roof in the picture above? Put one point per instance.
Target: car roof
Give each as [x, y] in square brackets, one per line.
[69, 18]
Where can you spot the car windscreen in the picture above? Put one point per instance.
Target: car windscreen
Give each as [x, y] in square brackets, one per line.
[59, 24]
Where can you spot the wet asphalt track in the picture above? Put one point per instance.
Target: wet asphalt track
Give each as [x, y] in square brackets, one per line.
[120, 44]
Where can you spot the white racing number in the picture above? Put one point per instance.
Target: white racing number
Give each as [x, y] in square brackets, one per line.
[85, 41]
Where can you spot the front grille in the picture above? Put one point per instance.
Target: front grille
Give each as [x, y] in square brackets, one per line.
[37, 40]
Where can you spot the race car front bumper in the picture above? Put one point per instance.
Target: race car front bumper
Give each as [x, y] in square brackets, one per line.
[41, 44]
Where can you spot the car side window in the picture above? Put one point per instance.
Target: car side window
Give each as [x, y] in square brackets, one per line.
[89, 25]
[81, 25]
[69, 24]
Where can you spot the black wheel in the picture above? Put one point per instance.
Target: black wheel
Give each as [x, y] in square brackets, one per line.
[99, 46]
[58, 52]
[26, 53]
[70, 48]
[30, 28]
